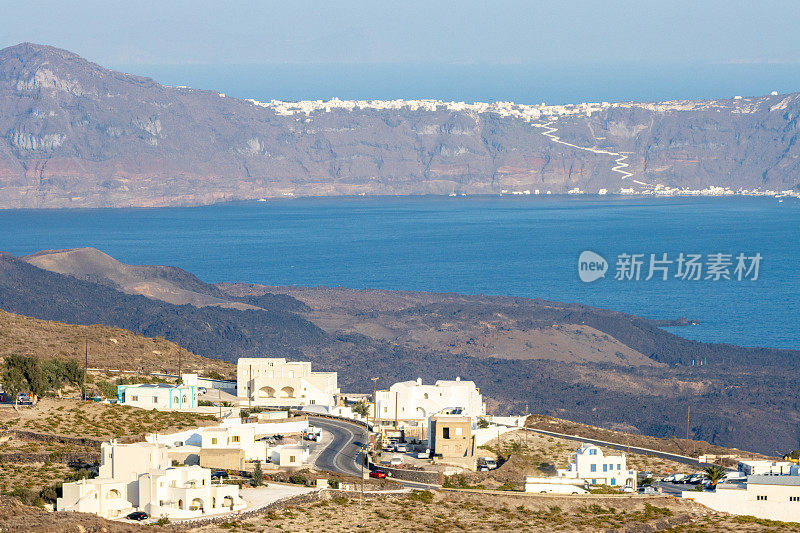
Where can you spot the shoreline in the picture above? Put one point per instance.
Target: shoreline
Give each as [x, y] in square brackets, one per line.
[582, 196]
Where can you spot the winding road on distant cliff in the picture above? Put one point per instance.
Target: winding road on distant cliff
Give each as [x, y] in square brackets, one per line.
[620, 156]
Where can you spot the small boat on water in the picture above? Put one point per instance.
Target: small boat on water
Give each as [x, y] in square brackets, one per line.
[262, 199]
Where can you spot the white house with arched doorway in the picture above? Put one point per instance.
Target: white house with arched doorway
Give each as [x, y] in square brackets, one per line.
[100, 496]
[276, 382]
[410, 404]
[139, 477]
[186, 492]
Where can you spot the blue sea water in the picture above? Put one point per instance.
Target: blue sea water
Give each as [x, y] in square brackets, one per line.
[512, 246]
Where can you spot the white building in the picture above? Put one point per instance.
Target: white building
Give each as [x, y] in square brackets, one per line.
[161, 396]
[139, 477]
[766, 468]
[289, 455]
[410, 403]
[240, 437]
[774, 497]
[589, 464]
[275, 382]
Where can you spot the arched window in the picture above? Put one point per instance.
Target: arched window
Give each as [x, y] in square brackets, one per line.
[287, 392]
[425, 395]
[180, 504]
[227, 501]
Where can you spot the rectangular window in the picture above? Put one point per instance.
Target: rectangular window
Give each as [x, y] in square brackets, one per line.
[235, 438]
[794, 498]
[155, 399]
[619, 466]
[613, 481]
[445, 433]
[605, 467]
[134, 398]
[593, 468]
[761, 498]
[213, 440]
[292, 459]
[459, 432]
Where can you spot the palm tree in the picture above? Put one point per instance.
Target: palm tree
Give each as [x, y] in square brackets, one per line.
[714, 474]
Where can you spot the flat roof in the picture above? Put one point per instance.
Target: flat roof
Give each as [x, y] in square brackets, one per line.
[774, 480]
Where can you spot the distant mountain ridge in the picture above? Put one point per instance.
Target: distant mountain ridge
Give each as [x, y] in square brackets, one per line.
[75, 134]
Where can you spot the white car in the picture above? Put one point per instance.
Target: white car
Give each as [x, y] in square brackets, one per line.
[396, 460]
[401, 448]
[424, 455]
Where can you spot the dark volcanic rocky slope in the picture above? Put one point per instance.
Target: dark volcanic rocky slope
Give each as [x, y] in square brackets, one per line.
[439, 336]
[75, 134]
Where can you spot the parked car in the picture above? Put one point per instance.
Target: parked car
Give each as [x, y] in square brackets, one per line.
[23, 398]
[488, 462]
[627, 489]
[694, 479]
[378, 474]
[396, 460]
[202, 390]
[648, 490]
[426, 454]
[401, 448]
[668, 479]
[220, 474]
[138, 516]
[680, 478]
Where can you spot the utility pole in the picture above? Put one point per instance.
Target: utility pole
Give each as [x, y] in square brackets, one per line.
[374, 401]
[523, 425]
[688, 410]
[85, 363]
[363, 460]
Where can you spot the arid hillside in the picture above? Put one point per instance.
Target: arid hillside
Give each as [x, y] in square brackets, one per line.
[108, 347]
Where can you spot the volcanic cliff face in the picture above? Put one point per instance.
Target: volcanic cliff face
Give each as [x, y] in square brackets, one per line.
[75, 134]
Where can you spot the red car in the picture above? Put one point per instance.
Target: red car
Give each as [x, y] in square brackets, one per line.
[378, 474]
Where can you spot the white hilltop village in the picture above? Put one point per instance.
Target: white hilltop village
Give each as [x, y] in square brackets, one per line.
[544, 116]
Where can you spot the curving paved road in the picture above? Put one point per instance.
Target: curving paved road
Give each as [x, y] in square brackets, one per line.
[343, 454]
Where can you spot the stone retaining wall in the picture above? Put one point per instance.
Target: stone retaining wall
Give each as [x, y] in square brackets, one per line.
[418, 476]
[301, 499]
[44, 437]
[63, 458]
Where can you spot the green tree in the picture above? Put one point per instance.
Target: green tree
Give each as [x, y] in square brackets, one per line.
[107, 389]
[714, 474]
[13, 382]
[361, 408]
[483, 423]
[258, 474]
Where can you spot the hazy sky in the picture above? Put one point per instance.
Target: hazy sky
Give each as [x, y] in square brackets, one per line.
[416, 32]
